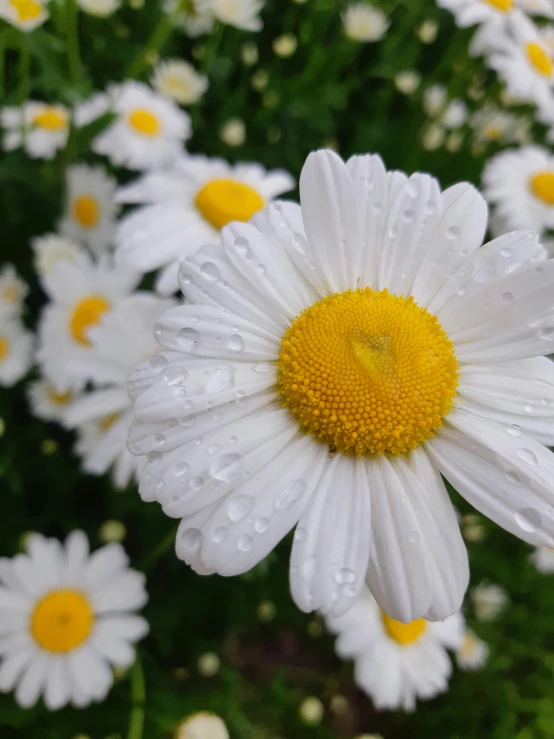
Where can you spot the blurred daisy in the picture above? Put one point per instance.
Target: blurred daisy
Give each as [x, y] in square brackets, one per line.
[148, 132]
[88, 111]
[238, 13]
[90, 208]
[544, 8]
[472, 12]
[185, 207]
[24, 14]
[435, 99]
[233, 132]
[67, 618]
[520, 185]
[41, 128]
[492, 125]
[100, 8]
[202, 725]
[454, 115]
[339, 355]
[46, 402]
[103, 415]
[195, 19]
[488, 601]
[543, 559]
[472, 654]
[179, 81]
[13, 291]
[81, 294]
[16, 349]
[363, 22]
[396, 663]
[51, 248]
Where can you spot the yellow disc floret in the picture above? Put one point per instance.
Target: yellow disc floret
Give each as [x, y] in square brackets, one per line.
[87, 313]
[4, 349]
[27, 10]
[404, 634]
[52, 119]
[145, 122]
[542, 186]
[368, 372]
[86, 211]
[62, 620]
[504, 6]
[225, 200]
[539, 59]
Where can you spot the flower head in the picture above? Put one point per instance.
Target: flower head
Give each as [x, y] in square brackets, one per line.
[179, 81]
[24, 14]
[363, 22]
[41, 128]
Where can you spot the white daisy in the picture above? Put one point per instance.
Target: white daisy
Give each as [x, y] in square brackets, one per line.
[81, 294]
[24, 14]
[363, 22]
[493, 125]
[99, 8]
[41, 128]
[488, 601]
[543, 559]
[472, 654]
[13, 290]
[88, 111]
[396, 663]
[50, 248]
[67, 617]
[435, 99]
[179, 80]
[202, 725]
[46, 402]
[520, 185]
[196, 19]
[471, 12]
[16, 349]
[454, 115]
[104, 415]
[90, 208]
[339, 355]
[238, 13]
[148, 132]
[544, 8]
[185, 207]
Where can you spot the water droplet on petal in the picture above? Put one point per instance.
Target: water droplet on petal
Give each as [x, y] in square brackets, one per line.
[529, 408]
[158, 362]
[528, 456]
[506, 253]
[236, 343]
[412, 189]
[345, 577]
[290, 495]
[514, 430]
[263, 367]
[188, 338]
[245, 543]
[462, 291]
[528, 519]
[195, 483]
[300, 244]
[239, 507]
[220, 533]
[191, 539]
[507, 297]
[181, 468]
[214, 449]
[546, 333]
[413, 537]
[220, 380]
[160, 439]
[453, 232]
[409, 216]
[227, 468]
[243, 247]
[300, 534]
[261, 524]
[209, 271]
[153, 458]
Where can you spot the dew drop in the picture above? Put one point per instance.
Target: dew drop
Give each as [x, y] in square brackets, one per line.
[263, 367]
[243, 247]
[188, 338]
[261, 524]
[378, 207]
[175, 374]
[158, 362]
[153, 458]
[209, 271]
[220, 380]
[186, 279]
[453, 232]
[412, 189]
[343, 244]
[236, 343]
[233, 439]
[160, 439]
[528, 456]
[528, 519]
[181, 468]
[529, 408]
[290, 495]
[227, 468]
[195, 483]
[507, 297]
[462, 291]
[245, 543]
[188, 404]
[429, 208]
[513, 478]
[408, 215]
[514, 430]
[239, 507]
[300, 534]
[413, 537]
[220, 533]
[506, 253]
[191, 539]
[300, 244]
[214, 449]
[345, 577]
[546, 333]
[393, 232]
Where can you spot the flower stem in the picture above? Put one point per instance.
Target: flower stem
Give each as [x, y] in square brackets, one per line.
[138, 697]
[158, 38]
[72, 30]
[24, 69]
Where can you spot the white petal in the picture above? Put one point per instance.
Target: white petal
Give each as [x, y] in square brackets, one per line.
[123, 591]
[57, 691]
[90, 672]
[167, 282]
[330, 553]
[96, 404]
[33, 681]
[114, 647]
[104, 562]
[76, 552]
[13, 666]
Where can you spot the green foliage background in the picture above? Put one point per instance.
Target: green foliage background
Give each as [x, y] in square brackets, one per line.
[331, 91]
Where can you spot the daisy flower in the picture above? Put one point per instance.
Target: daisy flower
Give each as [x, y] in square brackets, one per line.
[544, 8]
[67, 617]
[473, 12]
[148, 131]
[104, 415]
[363, 22]
[46, 402]
[185, 207]
[493, 125]
[16, 349]
[472, 654]
[81, 294]
[178, 80]
[90, 209]
[519, 183]
[50, 248]
[41, 128]
[23, 14]
[488, 601]
[435, 99]
[543, 559]
[99, 8]
[13, 290]
[340, 356]
[454, 115]
[196, 20]
[238, 13]
[202, 725]
[396, 663]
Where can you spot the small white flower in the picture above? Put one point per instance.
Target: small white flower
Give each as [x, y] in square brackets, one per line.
[519, 183]
[363, 22]
[473, 653]
[202, 725]
[90, 209]
[433, 137]
[544, 8]
[67, 618]
[16, 349]
[41, 128]
[472, 12]
[208, 664]
[88, 111]
[493, 125]
[185, 207]
[13, 291]
[311, 710]
[428, 31]
[179, 81]
[196, 20]
[24, 14]
[407, 82]
[454, 115]
[46, 402]
[396, 663]
[285, 45]
[238, 13]
[543, 559]
[488, 601]
[148, 132]
[51, 248]
[99, 8]
[233, 132]
[434, 100]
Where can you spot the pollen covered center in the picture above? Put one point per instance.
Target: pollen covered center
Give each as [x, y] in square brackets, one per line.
[86, 211]
[404, 634]
[504, 6]
[4, 349]
[367, 372]
[539, 59]
[27, 10]
[225, 200]
[87, 313]
[62, 620]
[145, 122]
[52, 119]
[542, 186]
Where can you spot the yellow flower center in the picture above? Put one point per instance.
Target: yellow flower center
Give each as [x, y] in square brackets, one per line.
[145, 122]
[87, 313]
[62, 620]
[404, 633]
[367, 372]
[226, 200]
[108, 421]
[59, 398]
[542, 186]
[27, 10]
[4, 349]
[86, 211]
[504, 6]
[493, 132]
[51, 119]
[11, 294]
[539, 58]
[468, 645]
